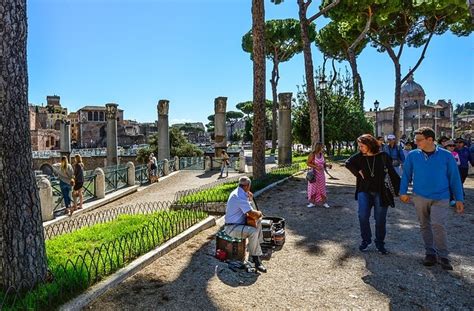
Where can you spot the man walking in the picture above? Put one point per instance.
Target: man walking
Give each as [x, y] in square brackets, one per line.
[435, 175]
[395, 151]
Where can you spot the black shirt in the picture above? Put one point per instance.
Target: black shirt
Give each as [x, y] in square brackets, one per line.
[373, 169]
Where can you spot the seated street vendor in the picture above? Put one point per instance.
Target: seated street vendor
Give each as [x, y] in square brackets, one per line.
[237, 211]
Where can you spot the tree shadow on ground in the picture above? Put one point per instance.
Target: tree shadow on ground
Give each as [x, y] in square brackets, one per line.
[400, 276]
[151, 290]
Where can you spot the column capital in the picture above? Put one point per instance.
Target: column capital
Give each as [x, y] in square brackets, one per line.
[163, 107]
[111, 111]
[220, 104]
[285, 101]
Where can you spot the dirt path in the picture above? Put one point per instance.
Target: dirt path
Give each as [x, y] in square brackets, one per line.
[319, 267]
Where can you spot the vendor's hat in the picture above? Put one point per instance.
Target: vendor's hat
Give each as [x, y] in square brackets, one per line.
[390, 136]
[449, 143]
[459, 140]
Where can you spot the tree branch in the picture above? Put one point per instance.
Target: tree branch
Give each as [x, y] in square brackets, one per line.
[422, 56]
[323, 11]
[364, 32]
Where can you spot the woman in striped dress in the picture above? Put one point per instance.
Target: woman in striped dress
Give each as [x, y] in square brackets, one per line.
[317, 189]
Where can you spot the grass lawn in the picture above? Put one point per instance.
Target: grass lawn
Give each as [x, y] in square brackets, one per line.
[81, 258]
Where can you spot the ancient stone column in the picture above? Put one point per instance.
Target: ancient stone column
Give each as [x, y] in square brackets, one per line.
[284, 128]
[163, 130]
[65, 138]
[99, 183]
[220, 130]
[46, 198]
[130, 174]
[111, 115]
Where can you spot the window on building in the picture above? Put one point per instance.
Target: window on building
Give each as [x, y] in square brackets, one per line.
[52, 141]
[441, 113]
[89, 116]
[96, 116]
[101, 116]
[47, 144]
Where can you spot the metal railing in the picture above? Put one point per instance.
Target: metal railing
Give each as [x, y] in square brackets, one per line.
[88, 190]
[116, 177]
[191, 163]
[171, 167]
[141, 174]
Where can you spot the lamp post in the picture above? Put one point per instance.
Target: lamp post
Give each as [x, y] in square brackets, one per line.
[452, 118]
[322, 88]
[376, 106]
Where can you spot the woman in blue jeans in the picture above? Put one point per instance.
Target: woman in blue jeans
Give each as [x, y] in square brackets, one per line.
[66, 181]
[369, 166]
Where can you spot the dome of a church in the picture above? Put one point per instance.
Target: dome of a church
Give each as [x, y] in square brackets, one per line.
[410, 88]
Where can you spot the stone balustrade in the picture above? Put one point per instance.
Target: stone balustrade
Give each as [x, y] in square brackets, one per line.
[47, 193]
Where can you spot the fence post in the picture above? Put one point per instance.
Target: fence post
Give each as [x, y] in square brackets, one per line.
[131, 174]
[207, 164]
[242, 161]
[46, 198]
[99, 183]
[166, 167]
[176, 163]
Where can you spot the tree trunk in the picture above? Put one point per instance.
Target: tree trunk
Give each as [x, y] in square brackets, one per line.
[356, 80]
[396, 105]
[22, 249]
[398, 84]
[308, 65]
[258, 32]
[274, 82]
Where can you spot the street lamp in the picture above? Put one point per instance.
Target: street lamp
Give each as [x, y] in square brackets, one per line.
[376, 105]
[322, 88]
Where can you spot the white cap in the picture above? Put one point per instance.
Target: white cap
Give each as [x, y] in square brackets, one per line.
[390, 136]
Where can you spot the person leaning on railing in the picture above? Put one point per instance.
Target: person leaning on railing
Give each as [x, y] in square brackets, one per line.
[66, 181]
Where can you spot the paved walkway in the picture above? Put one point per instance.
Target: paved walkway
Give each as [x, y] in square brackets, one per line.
[319, 267]
[166, 188]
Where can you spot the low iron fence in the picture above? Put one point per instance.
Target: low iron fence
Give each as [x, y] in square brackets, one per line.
[93, 218]
[66, 281]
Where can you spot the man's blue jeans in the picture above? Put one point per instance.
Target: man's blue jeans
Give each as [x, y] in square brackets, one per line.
[65, 190]
[367, 200]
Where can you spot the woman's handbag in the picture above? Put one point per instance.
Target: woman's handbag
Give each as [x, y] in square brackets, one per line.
[311, 176]
[389, 188]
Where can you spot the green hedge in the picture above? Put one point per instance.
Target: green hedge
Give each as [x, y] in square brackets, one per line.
[221, 193]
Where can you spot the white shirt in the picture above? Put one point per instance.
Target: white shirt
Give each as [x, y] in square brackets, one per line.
[238, 205]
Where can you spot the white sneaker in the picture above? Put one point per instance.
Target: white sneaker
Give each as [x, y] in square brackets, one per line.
[325, 205]
[310, 205]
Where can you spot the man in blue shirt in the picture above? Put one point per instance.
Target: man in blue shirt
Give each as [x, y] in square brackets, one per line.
[435, 176]
[237, 210]
[395, 151]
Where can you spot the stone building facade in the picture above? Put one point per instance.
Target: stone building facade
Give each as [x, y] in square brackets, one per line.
[45, 124]
[416, 112]
[92, 126]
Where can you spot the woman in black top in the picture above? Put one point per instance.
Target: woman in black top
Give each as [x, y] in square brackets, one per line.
[369, 168]
[78, 182]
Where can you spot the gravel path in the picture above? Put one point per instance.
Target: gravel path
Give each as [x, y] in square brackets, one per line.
[319, 267]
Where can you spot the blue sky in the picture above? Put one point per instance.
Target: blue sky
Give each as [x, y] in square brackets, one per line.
[135, 52]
